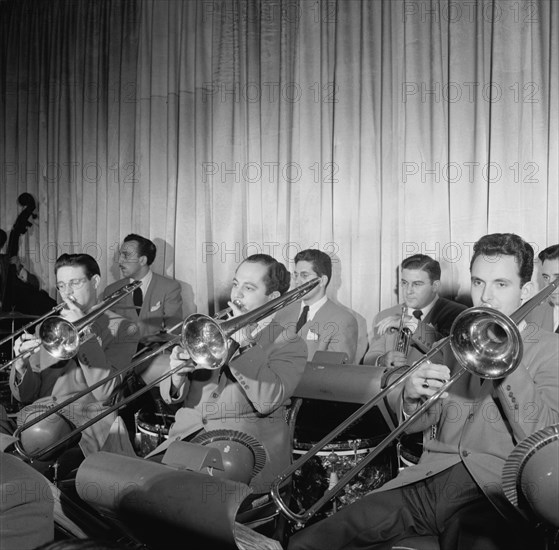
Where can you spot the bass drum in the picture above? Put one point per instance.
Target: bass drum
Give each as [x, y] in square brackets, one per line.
[315, 420]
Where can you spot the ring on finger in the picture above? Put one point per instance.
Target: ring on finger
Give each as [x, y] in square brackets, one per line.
[425, 383]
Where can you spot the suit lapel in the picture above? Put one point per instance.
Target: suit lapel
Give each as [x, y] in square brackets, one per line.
[146, 305]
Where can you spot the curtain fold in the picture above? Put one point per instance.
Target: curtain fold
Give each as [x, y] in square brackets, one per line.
[369, 129]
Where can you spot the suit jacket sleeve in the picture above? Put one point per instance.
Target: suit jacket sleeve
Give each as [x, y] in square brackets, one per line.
[379, 346]
[269, 379]
[109, 350]
[27, 387]
[529, 395]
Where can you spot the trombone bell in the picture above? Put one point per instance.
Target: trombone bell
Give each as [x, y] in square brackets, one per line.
[59, 338]
[486, 342]
[205, 341]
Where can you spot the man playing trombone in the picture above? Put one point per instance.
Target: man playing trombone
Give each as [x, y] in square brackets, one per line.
[106, 346]
[251, 392]
[455, 491]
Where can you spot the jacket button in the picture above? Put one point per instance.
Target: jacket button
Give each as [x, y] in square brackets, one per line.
[204, 421]
[214, 395]
[465, 453]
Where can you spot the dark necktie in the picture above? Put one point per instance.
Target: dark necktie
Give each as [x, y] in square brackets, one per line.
[302, 319]
[138, 298]
[417, 313]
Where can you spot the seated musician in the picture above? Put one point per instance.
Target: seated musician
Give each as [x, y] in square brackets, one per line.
[323, 324]
[107, 346]
[426, 314]
[249, 394]
[157, 304]
[455, 492]
[546, 315]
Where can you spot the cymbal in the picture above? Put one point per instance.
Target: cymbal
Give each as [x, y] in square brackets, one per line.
[16, 315]
[159, 338]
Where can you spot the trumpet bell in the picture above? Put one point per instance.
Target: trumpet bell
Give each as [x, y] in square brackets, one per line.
[205, 341]
[59, 337]
[486, 342]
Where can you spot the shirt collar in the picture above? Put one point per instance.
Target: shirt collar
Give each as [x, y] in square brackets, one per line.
[146, 280]
[313, 308]
[425, 310]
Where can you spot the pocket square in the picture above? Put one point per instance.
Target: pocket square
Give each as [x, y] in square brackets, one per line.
[155, 307]
[312, 336]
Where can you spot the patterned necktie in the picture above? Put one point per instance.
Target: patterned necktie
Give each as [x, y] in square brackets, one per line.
[138, 298]
[302, 319]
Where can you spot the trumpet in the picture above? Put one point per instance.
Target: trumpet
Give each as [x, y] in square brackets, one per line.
[404, 335]
[211, 353]
[61, 338]
[485, 342]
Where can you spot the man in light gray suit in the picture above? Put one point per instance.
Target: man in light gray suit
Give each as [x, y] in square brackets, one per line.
[323, 324]
[157, 305]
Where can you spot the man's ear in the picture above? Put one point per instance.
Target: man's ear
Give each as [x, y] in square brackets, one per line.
[323, 281]
[273, 295]
[96, 279]
[143, 260]
[436, 285]
[527, 291]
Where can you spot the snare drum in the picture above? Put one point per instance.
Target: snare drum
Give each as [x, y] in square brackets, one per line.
[152, 428]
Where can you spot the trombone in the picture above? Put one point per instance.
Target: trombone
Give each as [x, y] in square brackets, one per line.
[15, 334]
[61, 338]
[199, 334]
[485, 342]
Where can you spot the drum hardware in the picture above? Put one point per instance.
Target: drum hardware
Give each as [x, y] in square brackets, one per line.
[486, 343]
[206, 341]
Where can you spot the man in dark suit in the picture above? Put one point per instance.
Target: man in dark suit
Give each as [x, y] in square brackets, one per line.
[427, 315]
[157, 305]
[455, 492]
[250, 393]
[546, 315]
[323, 324]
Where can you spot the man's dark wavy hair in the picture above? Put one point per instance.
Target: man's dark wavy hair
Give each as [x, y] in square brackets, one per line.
[321, 262]
[425, 263]
[89, 264]
[145, 247]
[277, 278]
[507, 244]
[549, 253]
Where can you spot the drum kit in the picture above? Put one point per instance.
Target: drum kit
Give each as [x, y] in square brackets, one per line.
[314, 421]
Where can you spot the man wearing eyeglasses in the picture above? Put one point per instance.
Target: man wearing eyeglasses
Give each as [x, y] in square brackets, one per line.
[322, 323]
[107, 345]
